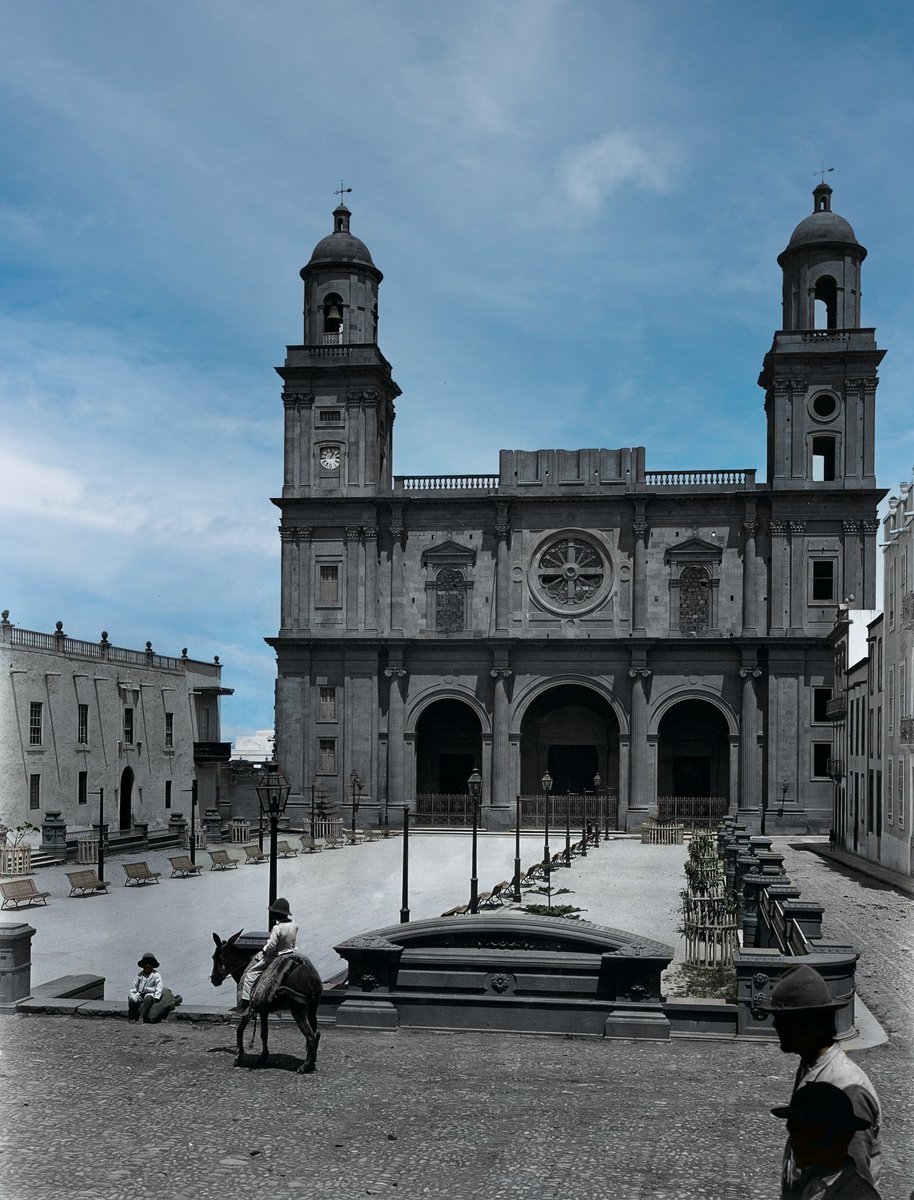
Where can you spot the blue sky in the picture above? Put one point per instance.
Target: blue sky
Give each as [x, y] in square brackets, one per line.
[577, 207]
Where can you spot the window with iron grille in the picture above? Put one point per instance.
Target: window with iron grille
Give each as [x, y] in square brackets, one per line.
[169, 730]
[901, 795]
[82, 724]
[327, 756]
[329, 586]
[36, 709]
[328, 703]
[128, 726]
[82, 788]
[34, 791]
[330, 416]
[168, 793]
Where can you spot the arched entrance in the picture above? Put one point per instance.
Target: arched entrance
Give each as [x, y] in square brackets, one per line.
[572, 731]
[448, 747]
[693, 762]
[125, 796]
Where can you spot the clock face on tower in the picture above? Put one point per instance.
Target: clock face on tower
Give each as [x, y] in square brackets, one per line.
[330, 458]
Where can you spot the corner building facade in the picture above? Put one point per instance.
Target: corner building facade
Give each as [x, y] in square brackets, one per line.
[666, 631]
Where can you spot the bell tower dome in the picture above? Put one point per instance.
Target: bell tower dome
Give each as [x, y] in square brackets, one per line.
[341, 289]
[820, 374]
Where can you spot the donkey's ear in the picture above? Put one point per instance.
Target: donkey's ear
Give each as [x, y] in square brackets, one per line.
[217, 939]
[234, 935]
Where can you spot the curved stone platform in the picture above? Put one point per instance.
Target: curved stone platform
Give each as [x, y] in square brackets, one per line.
[523, 973]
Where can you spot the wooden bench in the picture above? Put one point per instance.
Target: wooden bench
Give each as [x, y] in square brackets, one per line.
[182, 866]
[22, 891]
[353, 836]
[83, 883]
[284, 850]
[254, 854]
[310, 846]
[139, 873]
[387, 832]
[498, 893]
[372, 834]
[221, 860]
[333, 841]
[457, 911]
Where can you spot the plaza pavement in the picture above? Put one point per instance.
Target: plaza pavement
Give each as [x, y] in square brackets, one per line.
[104, 1110]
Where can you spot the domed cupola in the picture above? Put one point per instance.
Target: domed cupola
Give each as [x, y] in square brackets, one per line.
[341, 288]
[821, 266]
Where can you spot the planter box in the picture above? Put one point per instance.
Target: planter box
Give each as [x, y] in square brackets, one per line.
[15, 860]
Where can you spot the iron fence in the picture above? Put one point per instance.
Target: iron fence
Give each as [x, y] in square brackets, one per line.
[694, 811]
[445, 809]
[579, 807]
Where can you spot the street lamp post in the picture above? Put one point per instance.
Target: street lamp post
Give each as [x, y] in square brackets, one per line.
[474, 787]
[583, 824]
[547, 854]
[567, 829]
[597, 782]
[356, 783]
[517, 895]
[311, 830]
[272, 795]
[404, 899]
[100, 868]
[193, 821]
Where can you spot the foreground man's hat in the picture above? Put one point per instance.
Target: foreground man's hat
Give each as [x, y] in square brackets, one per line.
[800, 990]
[822, 1104]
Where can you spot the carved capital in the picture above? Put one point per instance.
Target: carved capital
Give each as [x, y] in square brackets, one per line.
[851, 526]
[797, 528]
[750, 672]
[298, 399]
[870, 526]
[353, 534]
[750, 528]
[371, 533]
[644, 672]
[361, 397]
[867, 383]
[396, 532]
[288, 536]
[502, 532]
[798, 384]
[304, 533]
[640, 528]
[779, 528]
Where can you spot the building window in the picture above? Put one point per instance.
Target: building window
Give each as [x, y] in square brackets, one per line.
[82, 724]
[327, 756]
[328, 703]
[890, 704]
[329, 586]
[879, 787]
[902, 689]
[35, 715]
[824, 458]
[128, 726]
[901, 795]
[168, 793]
[879, 665]
[450, 601]
[821, 753]
[820, 699]
[82, 788]
[891, 591]
[329, 416]
[169, 730]
[876, 750]
[823, 581]
[34, 791]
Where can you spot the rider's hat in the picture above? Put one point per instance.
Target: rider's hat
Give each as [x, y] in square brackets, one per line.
[801, 989]
[281, 906]
[148, 958]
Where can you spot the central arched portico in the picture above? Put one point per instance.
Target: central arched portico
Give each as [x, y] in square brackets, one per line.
[696, 741]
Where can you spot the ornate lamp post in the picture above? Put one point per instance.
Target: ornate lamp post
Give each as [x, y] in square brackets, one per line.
[547, 855]
[597, 783]
[356, 783]
[517, 895]
[272, 796]
[583, 824]
[474, 787]
[404, 900]
[100, 867]
[567, 862]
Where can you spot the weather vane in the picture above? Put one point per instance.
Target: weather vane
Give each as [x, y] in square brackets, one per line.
[341, 191]
[823, 171]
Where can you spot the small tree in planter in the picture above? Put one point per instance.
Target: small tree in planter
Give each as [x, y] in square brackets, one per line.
[15, 851]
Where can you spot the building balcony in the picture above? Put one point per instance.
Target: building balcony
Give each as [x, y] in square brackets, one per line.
[906, 731]
[212, 752]
[836, 709]
[836, 767]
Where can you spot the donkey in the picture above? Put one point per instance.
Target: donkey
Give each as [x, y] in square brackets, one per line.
[300, 993]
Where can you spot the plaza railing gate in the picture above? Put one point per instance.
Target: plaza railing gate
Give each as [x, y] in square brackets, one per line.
[445, 809]
[571, 808]
[695, 812]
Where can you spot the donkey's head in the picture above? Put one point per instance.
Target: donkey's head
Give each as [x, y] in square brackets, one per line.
[226, 960]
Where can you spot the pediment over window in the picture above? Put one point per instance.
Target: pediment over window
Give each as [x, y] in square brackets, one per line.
[696, 549]
[449, 553]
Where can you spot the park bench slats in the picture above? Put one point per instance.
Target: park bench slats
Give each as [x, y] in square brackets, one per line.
[333, 841]
[139, 873]
[386, 831]
[310, 846]
[457, 911]
[354, 836]
[84, 883]
[182, 866]
[221, 860]
[22, 891]
[372, 834]
[254, 854]
[285, 850]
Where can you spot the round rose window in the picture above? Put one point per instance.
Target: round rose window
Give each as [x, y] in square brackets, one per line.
[570, 573]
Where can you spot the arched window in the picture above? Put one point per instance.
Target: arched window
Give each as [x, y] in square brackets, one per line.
[826, 303]
[824, 458]
[333, 319]
[450, 601]
[694, 599]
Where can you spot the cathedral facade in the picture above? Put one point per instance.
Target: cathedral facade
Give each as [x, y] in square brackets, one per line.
[659, 637]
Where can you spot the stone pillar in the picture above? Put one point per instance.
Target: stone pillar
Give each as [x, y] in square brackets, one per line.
[352, 578]
[640, 802]
[371, 579]
[853, 567]
[797, 576]
[15, 963]
[290, 440]
[502, 572]
[500, 792]
[54, 835]
[177, 827]
[212, 823]
[396, 574]
[780, 578]
[868, 569]
[302, 605]
[624, 776]
[396, 789]
[639, 579]
[749, 766]
[750, 578]
[287, 598]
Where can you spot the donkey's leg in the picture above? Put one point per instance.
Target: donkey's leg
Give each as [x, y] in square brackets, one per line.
[242, 1026]
[310, 1031]
[264, 1053]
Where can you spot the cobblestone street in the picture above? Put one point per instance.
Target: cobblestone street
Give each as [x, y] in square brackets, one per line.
[103, 1110]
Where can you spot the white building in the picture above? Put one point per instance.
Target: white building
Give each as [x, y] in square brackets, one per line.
[77, 717]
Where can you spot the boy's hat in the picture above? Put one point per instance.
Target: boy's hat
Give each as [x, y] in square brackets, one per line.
[799, 990]
[822, 1104]
[281, 905]
[148, 958]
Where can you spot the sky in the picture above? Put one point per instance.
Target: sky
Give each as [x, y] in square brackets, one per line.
[577, 207]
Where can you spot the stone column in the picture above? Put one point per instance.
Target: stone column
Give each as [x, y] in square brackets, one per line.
[798, 426]
[297, 474]
[868, 571]
[640, 801]
[500, 787]
[734, 764]
[502, 571]
[624, 769]
[303, 579]
[780, 578]
[352, 578]
[286, 592]
[749, 772]
[853, 572]
[797, 576]
[750, 578]
[395, 722]
[396, 574]
[371, 579]
[639, 577]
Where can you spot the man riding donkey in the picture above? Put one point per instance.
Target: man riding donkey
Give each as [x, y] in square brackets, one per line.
[279, 949]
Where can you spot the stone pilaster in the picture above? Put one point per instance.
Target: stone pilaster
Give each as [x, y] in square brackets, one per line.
[353, 575]
[797, 576]
[750, 578]
[371, 578]
[500, 791]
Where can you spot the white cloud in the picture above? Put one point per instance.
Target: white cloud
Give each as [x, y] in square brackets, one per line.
[591, 173]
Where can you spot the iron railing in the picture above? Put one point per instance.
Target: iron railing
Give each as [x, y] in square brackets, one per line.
[694, 811]
[445, 809]
[579, 807]
[906, 730]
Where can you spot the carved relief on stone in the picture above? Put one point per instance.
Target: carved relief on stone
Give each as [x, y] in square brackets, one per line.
[298, 399]
[570, 573]
[779, 528]
[797, 528]
[450, 601]
[750, 528]
[851, 526]
[870, 526]
[352, 534]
